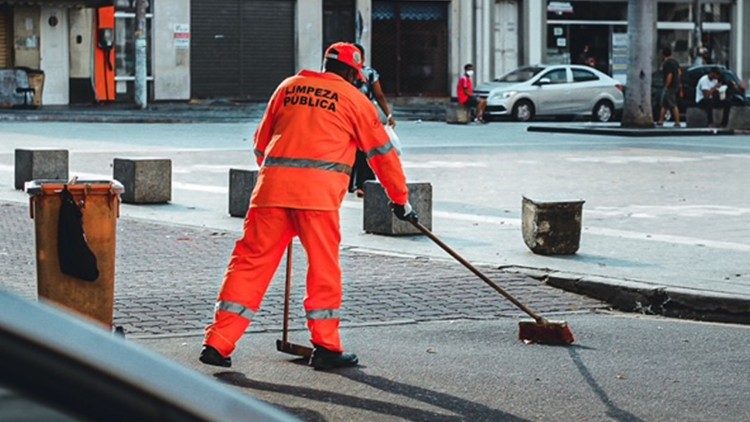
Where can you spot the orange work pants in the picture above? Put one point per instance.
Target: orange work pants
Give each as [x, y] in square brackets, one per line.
[256, 257]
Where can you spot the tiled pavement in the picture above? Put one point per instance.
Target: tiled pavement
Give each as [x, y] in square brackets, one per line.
[167, 279]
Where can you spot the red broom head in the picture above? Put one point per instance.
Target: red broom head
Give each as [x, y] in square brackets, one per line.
[556, 333]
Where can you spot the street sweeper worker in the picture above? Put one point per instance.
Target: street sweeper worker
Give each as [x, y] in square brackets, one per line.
[305, 146]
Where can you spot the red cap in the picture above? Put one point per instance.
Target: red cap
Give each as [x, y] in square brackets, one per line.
[348, 54]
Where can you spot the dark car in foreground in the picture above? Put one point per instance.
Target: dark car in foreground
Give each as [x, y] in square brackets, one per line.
[54, 367]
[736, 92]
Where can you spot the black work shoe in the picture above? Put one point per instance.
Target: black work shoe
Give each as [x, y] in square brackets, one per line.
[211, 356]
[323, 358]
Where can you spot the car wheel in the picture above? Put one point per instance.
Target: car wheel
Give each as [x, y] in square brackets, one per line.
[603, 111]
[523, 111]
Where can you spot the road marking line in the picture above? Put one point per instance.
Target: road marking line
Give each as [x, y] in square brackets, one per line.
[193, 187]
[598, 231]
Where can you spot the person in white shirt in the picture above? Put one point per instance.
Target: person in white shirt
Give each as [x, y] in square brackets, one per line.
[708, 96]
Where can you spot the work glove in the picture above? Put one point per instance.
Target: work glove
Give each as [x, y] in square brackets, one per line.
[404, 212]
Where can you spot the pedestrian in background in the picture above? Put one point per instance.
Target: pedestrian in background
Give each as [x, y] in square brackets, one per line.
[708, 95]
[374, 92]
[670, 69]
[304, 146]
[465, 93]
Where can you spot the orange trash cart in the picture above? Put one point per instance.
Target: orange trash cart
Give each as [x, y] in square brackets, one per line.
[99, 202]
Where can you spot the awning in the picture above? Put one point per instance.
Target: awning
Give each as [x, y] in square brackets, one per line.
[60, 3]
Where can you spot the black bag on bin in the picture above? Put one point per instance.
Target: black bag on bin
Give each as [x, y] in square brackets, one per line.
[76, 258]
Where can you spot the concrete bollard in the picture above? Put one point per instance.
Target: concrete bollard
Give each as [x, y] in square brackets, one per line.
[43, 163]
[457, 114]
[146, 180]
[552, 228]
[739, 118]
[378, 217]
[696, 117]
[241, 185]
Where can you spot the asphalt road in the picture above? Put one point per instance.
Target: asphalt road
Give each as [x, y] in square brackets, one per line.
[622, 368]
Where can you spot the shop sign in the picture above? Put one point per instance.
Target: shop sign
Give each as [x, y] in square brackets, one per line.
[182, 36]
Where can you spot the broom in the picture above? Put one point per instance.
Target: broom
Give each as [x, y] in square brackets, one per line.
[541, 330]
[284, 345]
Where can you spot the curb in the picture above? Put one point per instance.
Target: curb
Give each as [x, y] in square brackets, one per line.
[121, 118]
[616, 131]
[647, 298]
[216, 115]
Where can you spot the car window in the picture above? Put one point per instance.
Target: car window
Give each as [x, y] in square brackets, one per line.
[557, 76]
[581, 75]
[521, 74]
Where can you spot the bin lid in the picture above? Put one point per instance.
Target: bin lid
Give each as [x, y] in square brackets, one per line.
[54, 186]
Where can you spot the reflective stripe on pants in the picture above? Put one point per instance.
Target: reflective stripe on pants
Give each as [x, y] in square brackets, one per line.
[256, 257]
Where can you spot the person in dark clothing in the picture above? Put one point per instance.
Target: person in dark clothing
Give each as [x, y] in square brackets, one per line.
[361, 172]
[670, 69]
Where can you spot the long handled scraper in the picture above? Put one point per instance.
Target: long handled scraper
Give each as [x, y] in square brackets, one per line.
[284, 345]
[540, 330]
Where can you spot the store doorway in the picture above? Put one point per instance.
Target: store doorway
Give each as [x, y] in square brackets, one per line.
[55, 59]
[410, 46]
[597, 38]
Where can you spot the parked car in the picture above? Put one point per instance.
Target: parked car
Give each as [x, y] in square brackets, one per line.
[689, 80]
[554, 90]
[54, 367]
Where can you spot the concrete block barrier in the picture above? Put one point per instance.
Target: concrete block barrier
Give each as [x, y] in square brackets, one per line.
[457, 114]
[696, 117]
[241, 185]
[146, 180]
[739, 118]
[551, 228]
[33, 164]
[378, 217]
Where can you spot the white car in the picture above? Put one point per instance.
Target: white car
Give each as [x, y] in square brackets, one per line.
[553, 90]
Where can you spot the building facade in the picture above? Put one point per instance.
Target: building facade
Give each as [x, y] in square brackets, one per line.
[56, 37]
[420, 46]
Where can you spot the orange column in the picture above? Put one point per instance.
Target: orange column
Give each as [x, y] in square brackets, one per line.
[104, 54]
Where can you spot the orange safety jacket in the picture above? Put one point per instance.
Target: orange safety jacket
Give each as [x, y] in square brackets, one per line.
[306, 142]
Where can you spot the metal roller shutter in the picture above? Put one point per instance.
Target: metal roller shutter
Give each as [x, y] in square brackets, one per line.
[241, 49]
[5, 46]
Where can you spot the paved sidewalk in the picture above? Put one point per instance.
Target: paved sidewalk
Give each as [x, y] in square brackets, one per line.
[167, 279]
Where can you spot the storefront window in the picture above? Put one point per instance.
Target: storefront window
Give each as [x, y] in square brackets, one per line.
[675, 12]
[558, 51]
[680, 41]
[685, 12]
[125, 45]
[713, 12]
[595, 33]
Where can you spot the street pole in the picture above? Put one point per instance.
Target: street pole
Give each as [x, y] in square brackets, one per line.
[141, 84]
[641, 28]
[698, 32]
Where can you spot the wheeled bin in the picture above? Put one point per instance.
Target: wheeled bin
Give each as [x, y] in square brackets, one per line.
[90, 252]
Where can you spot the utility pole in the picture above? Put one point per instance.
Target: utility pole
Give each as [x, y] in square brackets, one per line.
[637, 111]
[141, 84]
[698, 32]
